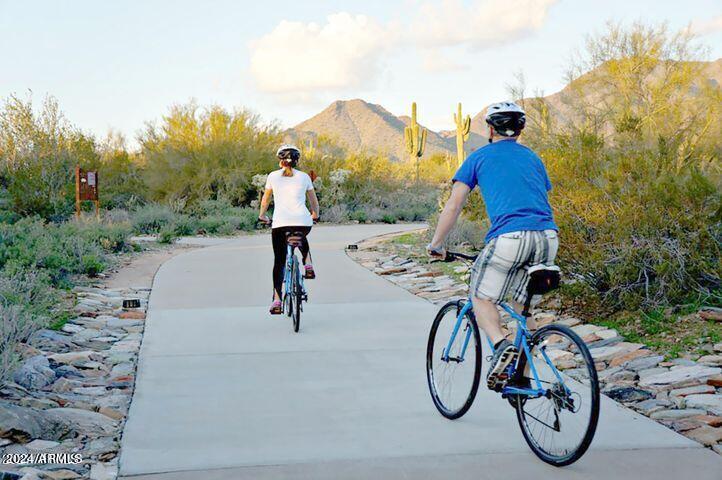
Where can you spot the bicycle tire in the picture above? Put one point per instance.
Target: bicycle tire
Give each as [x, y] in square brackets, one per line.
[452, 414]
[576, 454]
[296, 295]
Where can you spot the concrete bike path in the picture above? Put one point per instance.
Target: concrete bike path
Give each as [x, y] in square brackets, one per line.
[225, 391]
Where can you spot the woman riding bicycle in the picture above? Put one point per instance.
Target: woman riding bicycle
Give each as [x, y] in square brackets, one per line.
[290, 189]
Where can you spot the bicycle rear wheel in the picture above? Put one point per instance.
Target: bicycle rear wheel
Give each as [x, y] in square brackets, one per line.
[560, 426]
[296, 296]
[453, 381]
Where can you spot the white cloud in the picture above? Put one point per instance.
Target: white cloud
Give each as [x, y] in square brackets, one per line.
[483, 22]
[434, 60]
[297, 61]
[300, 57]
[704, 27]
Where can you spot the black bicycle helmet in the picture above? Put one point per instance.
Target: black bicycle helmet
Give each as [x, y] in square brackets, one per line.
[507, 118]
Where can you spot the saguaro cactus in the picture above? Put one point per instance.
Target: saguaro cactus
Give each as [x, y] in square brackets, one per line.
[415, 140]
[463, 127]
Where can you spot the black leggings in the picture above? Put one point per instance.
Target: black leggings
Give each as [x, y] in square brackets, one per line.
[278, 238]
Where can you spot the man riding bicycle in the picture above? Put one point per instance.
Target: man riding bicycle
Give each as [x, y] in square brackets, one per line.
[514, 184]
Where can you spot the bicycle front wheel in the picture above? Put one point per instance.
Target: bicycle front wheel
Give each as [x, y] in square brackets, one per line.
[560, 426]
[454, 378]
[296, 294]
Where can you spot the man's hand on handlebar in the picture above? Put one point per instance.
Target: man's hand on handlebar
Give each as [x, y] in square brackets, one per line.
[436, 252]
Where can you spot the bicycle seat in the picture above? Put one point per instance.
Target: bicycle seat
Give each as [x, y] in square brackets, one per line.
[543, 279]
[295, 239]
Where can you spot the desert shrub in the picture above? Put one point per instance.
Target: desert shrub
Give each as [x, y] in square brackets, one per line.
[151, 218]
[633, 150]
[16, 325]
[335, 214]
[167, 234]
[38, 153]
[359, 216]
[198, 154]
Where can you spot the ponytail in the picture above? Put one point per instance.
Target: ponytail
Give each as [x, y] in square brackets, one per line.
[288, 166]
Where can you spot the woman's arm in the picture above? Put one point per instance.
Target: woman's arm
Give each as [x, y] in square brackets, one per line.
[313, 202]
[265, 202]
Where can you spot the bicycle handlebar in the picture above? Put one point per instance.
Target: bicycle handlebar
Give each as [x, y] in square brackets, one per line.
[453, 256]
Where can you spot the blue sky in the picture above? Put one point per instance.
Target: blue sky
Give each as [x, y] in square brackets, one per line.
[120, 64]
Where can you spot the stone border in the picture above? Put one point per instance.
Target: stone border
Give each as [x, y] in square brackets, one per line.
[681, 394]
[69, 398]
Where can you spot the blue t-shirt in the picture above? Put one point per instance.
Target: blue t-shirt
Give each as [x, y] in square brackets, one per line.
[514, 184]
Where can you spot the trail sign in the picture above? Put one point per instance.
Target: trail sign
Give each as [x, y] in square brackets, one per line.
[86, 189]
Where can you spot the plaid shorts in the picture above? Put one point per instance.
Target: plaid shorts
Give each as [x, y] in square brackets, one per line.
[500, 269]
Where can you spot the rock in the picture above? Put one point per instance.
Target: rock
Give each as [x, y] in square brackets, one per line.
[101, 471]
[606, 334]
[647, 407]
[678, 374]
[705, 435]
[22, 424]
[391, 270]
[698, 389]
[717, 347]
[711, 313]
[686, 362]
[627, 357]
[125, 368]
[676, 414]
[75, 358]
[72, 328]
[605, 353]
[710, 403]
[569, 321]
[606, 342]
[83, 421]
[92, 391]
[650, 372]
[41, 445]
[85, 335]
[111, 412]
[643, 363]
[711, 420]
[714, 360]
[101, 447]
[50, 341]
[39, 403]
[115, 322]
[605, 374]
[586, 329]
[68, 371]
[34, 373]
[63, 474]
[622, 376]
[715, 381]
[628, 394]
[64, 385]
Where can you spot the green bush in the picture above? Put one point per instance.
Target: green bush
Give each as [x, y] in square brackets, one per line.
[359, 216]
[167, 234]
[151, 218]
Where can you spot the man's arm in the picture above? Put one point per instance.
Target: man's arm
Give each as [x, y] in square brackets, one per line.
[313, 202]
[447, 218]
[265, 202]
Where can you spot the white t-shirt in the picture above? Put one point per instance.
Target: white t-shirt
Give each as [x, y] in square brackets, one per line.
[289, 199]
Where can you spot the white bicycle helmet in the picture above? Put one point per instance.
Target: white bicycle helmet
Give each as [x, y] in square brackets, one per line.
[288, 152]
[507, 118]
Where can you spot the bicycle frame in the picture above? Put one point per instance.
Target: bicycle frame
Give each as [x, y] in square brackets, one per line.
[289, 269]
[521, 343]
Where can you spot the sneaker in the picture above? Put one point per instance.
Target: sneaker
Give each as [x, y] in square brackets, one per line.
[275, 308]
[504, 354]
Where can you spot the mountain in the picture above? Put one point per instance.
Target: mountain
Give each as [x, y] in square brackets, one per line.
[358, 124]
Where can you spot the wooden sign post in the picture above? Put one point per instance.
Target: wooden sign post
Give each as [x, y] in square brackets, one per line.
[86, 189]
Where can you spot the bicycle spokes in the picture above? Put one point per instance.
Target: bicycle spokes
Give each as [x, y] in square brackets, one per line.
[559, 423]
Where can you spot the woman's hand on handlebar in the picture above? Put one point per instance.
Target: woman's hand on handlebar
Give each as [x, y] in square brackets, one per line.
[264, 219]
[314, 216]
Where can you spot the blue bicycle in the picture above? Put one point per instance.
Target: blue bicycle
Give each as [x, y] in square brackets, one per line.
[553, 386]
[294, 292]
